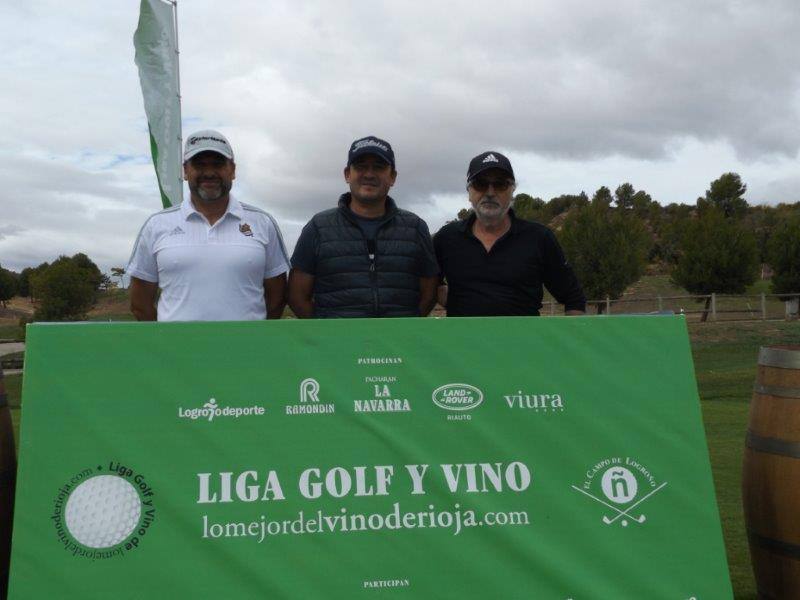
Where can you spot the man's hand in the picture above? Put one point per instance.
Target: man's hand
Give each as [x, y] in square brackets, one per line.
[143, 299]
[427, 294]
[301, 294]
[275, 295]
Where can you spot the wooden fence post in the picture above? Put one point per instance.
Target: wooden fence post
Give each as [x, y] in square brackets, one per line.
[713, 306]
[763, 307]
[608, 305]
[660, 304]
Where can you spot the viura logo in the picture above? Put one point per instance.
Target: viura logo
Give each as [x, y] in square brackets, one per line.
[535, 402]
[457, 398]
[621, 485]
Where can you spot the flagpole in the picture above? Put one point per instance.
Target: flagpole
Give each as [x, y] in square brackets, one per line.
[178, 76]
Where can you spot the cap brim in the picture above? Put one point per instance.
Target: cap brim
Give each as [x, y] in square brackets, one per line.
[483, 168]
[196, 151]
[366, 151]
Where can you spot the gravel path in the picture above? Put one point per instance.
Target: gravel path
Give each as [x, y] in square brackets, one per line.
[11, 347]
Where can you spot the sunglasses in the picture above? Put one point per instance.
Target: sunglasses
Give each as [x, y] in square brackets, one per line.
[481, 185]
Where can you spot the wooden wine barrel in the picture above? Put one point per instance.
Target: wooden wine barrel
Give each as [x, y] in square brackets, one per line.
[771, 474]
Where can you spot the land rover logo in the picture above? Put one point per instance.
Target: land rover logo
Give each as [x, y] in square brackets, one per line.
[457, 396]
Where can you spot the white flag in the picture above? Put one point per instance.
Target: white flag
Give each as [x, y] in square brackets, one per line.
[156, 44]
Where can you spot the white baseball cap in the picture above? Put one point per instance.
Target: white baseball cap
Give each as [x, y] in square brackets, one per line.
[208, 139]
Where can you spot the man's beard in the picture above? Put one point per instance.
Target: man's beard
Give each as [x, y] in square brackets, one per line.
[494, 212]
[211, 194]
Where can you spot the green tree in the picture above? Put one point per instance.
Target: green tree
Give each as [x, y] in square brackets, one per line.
[783, 255]
[607, 248]
[716, 255]
[641, 203]
[564, 202]
[94, 276]
[623, 196]
[23, 283]
[529, 208]
[30, 278]
[8, 285]
[602, 197]
[726, 194]
[64, 291]
[67, 288]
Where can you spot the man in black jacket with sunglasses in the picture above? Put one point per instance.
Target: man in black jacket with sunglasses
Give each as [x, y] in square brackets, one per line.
[493, 263]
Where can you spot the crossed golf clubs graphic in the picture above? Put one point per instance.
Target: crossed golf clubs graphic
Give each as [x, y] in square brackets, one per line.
[621, 513]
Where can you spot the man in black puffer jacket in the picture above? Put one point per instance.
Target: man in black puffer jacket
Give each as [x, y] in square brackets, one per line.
[366, 257]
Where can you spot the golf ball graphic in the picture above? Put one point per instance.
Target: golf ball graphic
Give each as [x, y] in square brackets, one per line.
[103, 511]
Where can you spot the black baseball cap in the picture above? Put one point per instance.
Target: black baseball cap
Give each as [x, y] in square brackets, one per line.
[488, 160]
[371, 145]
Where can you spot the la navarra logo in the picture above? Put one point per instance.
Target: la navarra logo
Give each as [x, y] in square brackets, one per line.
[621, 485]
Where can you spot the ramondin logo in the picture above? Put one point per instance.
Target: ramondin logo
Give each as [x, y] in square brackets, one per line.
[309, 390]
[620, 485]
[309, 400]
[457, 397]
[103, 512]
[211, 410]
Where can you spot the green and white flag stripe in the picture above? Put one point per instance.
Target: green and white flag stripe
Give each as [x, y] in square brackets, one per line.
[156, 44]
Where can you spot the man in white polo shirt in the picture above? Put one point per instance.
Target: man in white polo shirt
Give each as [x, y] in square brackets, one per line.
[213, 257]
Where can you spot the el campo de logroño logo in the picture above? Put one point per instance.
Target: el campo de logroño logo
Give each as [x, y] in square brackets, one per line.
[621, 486]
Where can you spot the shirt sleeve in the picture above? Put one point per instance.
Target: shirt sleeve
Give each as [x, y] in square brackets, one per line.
[277, 258]
[142, 263]
[428, 267]
[559, 278]
[304, 257]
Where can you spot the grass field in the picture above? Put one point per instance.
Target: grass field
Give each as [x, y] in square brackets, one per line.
[725, 357]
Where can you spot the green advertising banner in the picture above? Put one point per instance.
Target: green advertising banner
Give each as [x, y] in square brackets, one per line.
[401, 458]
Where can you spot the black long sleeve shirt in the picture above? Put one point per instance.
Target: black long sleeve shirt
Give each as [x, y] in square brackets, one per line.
[508, 279]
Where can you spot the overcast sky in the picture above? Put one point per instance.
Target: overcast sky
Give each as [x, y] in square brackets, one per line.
[666, 95]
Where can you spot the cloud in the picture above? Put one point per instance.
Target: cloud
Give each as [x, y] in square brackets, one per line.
[666, 94]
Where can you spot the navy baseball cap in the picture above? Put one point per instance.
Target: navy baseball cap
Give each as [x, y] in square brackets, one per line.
[371, 145]
[488, 160]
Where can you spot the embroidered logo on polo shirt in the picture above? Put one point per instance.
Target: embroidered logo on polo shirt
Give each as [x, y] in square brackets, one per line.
[177, 231]
[490, 158]
[245, 229]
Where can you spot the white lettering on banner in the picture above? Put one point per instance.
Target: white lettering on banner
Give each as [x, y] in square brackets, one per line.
[384, 583]
[379, 360]
[416, 477]
[382, 405]
[456, 520]
[338, 482]
[359, 481]
[516, 476]
[247, 488]
[212, 410]
[536, 402]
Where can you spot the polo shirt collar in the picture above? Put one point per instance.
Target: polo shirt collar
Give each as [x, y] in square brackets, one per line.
[234, 209]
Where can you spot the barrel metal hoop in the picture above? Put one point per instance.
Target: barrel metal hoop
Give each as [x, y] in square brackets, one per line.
[775, 546]
[774, 390]
[772, 445]
[779, 357]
